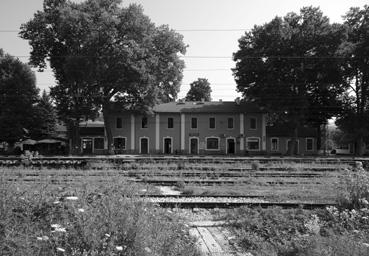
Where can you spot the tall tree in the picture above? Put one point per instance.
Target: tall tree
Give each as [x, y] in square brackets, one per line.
[200, 90]
[119, 51]
[18, 95]
[289, 66]
[354, 120]
[44, 118]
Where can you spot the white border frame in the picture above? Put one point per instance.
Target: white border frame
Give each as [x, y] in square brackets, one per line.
[125, 142]
[206, 143]
[189, 144]
[148, 144]
[306, 149]
[235, 147]
[247, 145]
[171, 144]
[298, 145]
[271, 143]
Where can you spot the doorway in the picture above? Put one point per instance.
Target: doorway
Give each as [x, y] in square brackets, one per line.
[194, 146]
[87, 146]
[231, 146]
[144, 145]
[167, 145]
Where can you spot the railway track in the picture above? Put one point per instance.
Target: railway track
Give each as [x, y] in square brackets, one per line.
[228, 202]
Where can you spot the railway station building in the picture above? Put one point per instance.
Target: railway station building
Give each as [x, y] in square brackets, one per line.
[191, 128]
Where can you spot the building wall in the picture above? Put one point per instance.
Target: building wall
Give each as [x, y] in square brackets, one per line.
[282, 149]
[157, 130]
[173, 133]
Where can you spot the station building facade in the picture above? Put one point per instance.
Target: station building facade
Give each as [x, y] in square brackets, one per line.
[192, 128]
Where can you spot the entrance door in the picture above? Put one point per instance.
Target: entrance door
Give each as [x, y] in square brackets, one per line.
[87, 146]
[194, 146]
[231, 147]
[167, 146]
[296, 150]
[144, 145]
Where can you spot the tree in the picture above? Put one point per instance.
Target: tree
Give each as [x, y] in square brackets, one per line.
[200, 90]
[355, 50]
[44, 118]
[18, 95]
[120, 53]
[289, 66]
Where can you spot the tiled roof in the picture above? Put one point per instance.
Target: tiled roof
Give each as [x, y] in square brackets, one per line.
[207, 107]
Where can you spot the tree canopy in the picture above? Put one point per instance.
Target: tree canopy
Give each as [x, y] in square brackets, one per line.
[354, 120]
[18, 95]
[199, 90]
[289, 66]
[101, 51]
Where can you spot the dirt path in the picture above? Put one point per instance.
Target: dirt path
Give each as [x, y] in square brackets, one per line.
[214, 239]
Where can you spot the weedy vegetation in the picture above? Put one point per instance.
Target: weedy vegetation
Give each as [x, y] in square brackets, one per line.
[88, 219]
[334, 231]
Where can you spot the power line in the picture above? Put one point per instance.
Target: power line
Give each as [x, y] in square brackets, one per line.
[178, 30]
[264, 58]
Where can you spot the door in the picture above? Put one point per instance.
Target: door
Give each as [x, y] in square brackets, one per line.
[231, 147]
[194, 146]
[167, 146]
[296, 150]
[87, 146]
[144, 145]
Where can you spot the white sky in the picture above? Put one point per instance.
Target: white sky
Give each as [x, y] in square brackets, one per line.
[185, 16]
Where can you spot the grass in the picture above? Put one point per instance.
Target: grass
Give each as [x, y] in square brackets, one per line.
[341, 231]
[88, 219]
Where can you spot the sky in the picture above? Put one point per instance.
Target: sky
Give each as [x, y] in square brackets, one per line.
[211, 29]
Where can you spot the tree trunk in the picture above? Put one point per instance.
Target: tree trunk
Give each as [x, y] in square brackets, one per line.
[359, 146]
[75, 136]
[109, 134]
[292, 148]
[319, 137]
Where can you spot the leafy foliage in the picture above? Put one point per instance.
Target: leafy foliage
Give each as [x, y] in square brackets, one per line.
[18, 94]
[355, 49]
[200, 90]
[288, 65]
[44, 118]
[100, 51]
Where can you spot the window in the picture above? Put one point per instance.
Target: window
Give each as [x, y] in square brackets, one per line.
[119, 123]
[212, 122]
[309, 144]
[98, 143]
[120, 143]
[212, 143]
[144, 122]
[230, 123]
[253, 144]
[193, 123]
[274, 145]
[253, 123]
[170, 122]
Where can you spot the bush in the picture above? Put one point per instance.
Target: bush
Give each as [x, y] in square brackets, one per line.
[354, 189]
[255, 165]
[86, 221]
